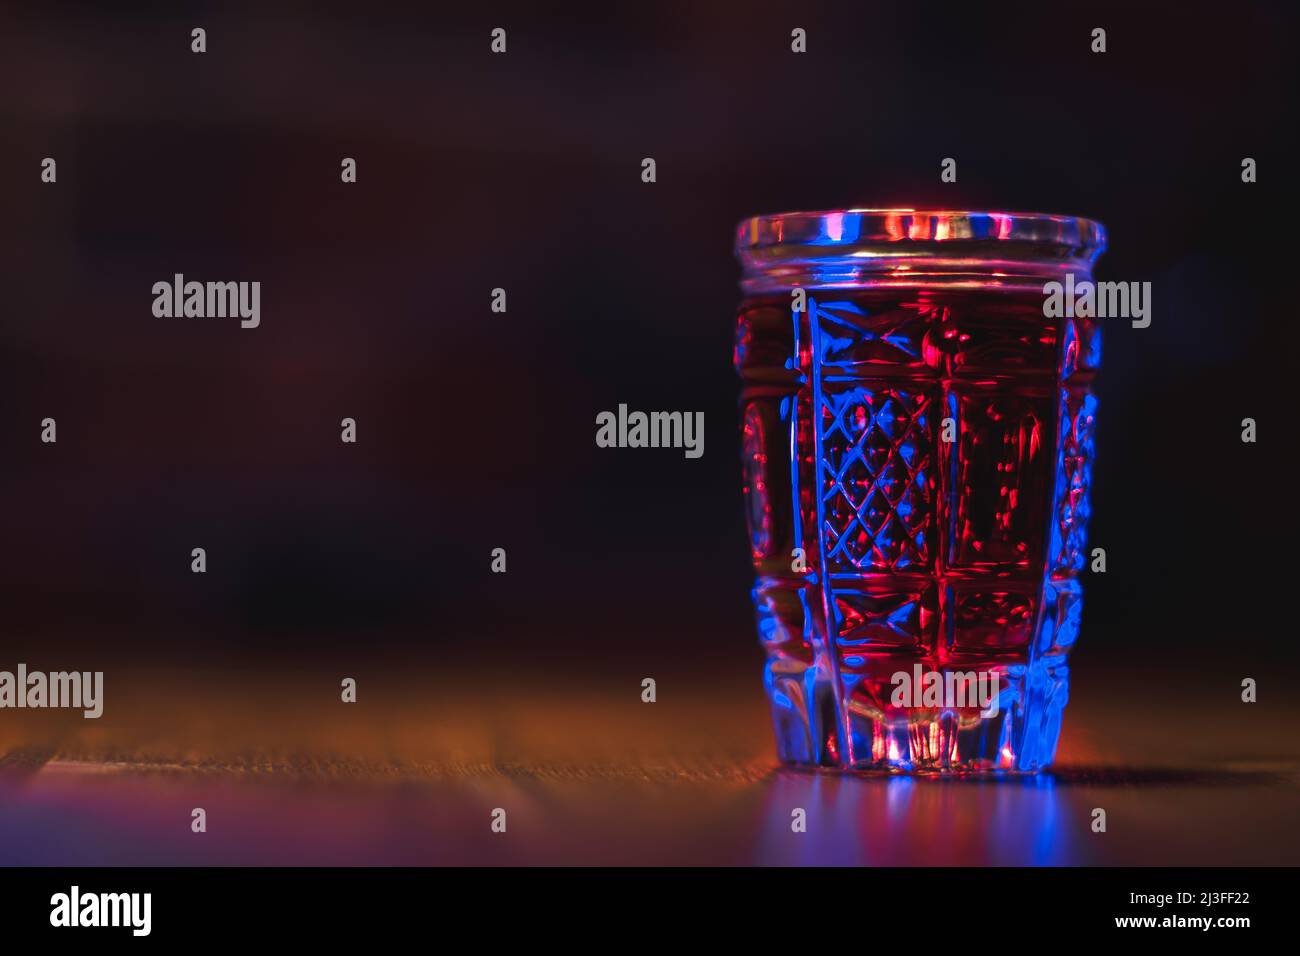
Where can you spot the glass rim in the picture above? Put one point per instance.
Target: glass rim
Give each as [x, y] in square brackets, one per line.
[841, 227]
[911, 246]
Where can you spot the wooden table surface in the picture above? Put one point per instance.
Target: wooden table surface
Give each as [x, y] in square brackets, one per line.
[588, 774]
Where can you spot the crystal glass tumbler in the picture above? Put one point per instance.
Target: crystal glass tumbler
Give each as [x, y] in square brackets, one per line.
[918, 440]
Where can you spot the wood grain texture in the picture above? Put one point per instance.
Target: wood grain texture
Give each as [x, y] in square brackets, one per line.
[410, 774]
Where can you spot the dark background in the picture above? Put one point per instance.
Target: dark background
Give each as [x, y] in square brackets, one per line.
[477, 430]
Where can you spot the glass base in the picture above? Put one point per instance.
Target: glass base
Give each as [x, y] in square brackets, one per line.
[857, 729]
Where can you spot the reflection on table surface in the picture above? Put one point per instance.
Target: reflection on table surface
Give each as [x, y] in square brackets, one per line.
[410, 775]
